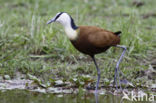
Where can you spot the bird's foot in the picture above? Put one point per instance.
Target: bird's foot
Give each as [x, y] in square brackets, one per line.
[122, 82]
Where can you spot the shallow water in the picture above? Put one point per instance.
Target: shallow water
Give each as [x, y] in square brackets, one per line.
[23, 96]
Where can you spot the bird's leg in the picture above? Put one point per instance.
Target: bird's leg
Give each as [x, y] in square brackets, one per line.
[117, 66]
[98, 73]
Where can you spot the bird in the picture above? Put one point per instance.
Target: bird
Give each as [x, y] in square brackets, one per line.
[91, 40]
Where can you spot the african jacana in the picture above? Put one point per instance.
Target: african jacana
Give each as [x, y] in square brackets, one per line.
[90, 40]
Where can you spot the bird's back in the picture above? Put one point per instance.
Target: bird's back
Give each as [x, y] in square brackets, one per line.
[92, 40]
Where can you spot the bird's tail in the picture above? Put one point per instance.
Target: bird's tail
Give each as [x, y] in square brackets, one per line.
[117, 33]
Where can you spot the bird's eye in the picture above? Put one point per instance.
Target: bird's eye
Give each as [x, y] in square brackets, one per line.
[58, 15]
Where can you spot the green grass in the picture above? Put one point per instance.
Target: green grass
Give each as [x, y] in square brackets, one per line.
[28, 45]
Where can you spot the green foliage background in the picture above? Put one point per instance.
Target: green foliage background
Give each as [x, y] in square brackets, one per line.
[29, 45]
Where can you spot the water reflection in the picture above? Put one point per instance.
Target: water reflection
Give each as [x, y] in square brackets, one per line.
[21, 96]
[96, 98]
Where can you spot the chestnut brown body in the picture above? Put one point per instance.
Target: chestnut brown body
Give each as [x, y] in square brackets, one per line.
[92, 40]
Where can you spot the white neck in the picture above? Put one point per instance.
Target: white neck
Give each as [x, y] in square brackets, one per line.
[71, 33]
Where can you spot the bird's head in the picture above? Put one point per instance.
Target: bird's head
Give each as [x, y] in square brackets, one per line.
[64, 18]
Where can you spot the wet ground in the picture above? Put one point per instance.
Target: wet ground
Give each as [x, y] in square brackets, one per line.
[26, 91]
[22, 91]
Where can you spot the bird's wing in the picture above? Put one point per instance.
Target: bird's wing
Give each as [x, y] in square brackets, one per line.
[100, 37]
